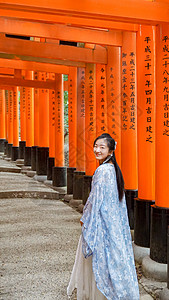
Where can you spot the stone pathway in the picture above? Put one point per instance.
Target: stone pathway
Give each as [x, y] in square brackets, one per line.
[38, 241]
[19, 185]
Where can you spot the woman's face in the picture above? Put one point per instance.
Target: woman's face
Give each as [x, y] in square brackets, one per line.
[101, 150]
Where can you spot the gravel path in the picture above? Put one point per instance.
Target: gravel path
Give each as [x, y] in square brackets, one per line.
[38, 243]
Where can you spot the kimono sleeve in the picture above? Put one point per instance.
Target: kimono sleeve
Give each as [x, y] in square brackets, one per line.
[91, 214]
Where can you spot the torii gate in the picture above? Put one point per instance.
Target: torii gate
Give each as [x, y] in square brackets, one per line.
[118, 78]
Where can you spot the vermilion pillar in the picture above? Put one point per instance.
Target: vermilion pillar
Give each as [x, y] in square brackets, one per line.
[59, 171]
[43, 114]
[129, 121]
[6, 114]
[29, 120]
[146, 48]
[15, 147]
[10, 123]
[101, 102]
[72, 94]
[80, 164]
[2, 120]
[51, 158]
[36, 125]
[160, 211]
[22, 142]
[80, 149]
[42, 152]
[72, 118]
[36, 112]
[6, 123]
[16, 118]
[90, 118]
[113, 71]
[59, 122]
[90, 126]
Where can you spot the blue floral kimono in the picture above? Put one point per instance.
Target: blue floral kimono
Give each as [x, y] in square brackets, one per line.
[106, 236]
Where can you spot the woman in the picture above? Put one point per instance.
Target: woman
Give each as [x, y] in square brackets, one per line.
[104, 267]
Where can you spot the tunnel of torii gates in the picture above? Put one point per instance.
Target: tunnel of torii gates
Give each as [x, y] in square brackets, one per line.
[118, 82]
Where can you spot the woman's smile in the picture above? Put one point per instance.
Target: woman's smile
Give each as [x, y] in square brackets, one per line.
[101, 150]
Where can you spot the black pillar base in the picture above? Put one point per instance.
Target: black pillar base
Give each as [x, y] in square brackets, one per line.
[15, 153]
[168, 258]
[70, 172]
[9, 150]
[59, 176]
[142, 217]
[42, 153]
[50, 165]
[5, 147]
[130, 196]
[27, 156]
[2, 141]
[78, 184]
[158, 234]
[33, 158]
[87, 180]
[22, 145]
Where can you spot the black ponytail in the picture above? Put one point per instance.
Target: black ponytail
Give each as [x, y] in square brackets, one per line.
[112, 145]
[119, 176]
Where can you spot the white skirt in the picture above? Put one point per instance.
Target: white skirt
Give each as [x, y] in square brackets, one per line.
[82, 278]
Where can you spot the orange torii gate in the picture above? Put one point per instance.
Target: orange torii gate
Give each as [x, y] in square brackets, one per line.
[51, 158]
[146, 52]
[2, 120]
[36, 125]
[77, 177]
[129, 121]
[160, 211]
[72, 112]
[15, 147]
[92, 22]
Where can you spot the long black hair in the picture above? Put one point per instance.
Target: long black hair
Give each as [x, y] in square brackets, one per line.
[112, 146]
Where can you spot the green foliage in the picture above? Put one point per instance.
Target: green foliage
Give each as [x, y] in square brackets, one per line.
[80, 45]
[65, 77]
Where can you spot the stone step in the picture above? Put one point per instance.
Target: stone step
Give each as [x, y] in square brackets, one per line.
[67, 198]
[10, 169]
[29, 194]
[75, 202]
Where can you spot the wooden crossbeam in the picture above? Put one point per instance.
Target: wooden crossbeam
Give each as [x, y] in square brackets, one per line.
[74, 21]
[49, 84]
[137, 11]
[9, 88]
[60, 32]
[47, 61]
[32, 66]
[52, 51]
[6, 71]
